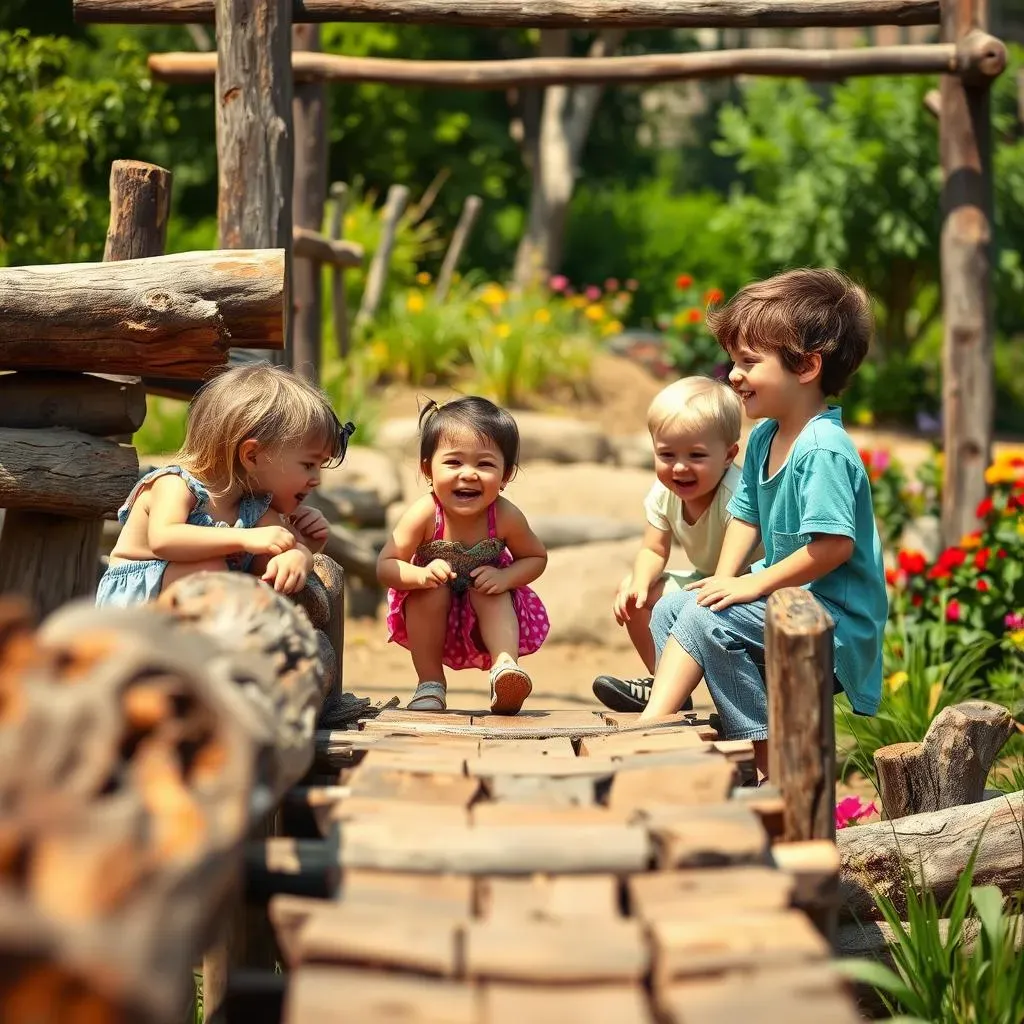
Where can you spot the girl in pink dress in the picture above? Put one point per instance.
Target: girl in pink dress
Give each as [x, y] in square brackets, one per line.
[459, 560]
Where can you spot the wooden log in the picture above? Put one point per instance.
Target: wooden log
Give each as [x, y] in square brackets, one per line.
[376, 276]
[949, 767]
[554, 1004]
[255, 157]
[168, 315]
[933, 849]
[309, 117]
[470, 211]
[547, 13]
[339, 301]
[311, 245]
[94, 405]
[62, 472]
[814, 868]
[874, 938]
[981, 57]
[125, 774]
[801, 725]
[966, 274]
[140, 203]
[293, 867]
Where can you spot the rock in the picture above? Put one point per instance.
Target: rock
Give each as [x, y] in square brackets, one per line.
[633, 450]
[542, 437]
[349, 505]
[923, 534]
[572, 531]
[366, 469]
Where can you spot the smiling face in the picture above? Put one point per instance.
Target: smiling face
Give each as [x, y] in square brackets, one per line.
[288, 473]
[691, 463]
[466, 472]
[767, 389]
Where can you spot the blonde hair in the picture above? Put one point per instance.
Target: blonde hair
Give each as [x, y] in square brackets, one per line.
[700, 404]
[265, 403]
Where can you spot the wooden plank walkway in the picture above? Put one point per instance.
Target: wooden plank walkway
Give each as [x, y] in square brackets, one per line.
[562, 865]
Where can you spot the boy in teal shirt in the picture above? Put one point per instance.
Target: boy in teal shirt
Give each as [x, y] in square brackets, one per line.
[794, 339]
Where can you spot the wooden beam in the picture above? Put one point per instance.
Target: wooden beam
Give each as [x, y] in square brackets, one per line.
[377, 275]
[94, 405]
[168, 315]
[801, 725]
[965, 149]
[547, 13]
[255, 154]
[470, 211]
[311, 245]
[652, 67]
[339, 301]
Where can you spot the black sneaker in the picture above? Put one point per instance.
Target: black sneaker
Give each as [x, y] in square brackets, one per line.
[627, 694]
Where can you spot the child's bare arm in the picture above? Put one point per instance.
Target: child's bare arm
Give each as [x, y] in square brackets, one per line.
[529, 556]
[652, 557]
[172, 539]
[270, 568]
[394, 564]
[738, 545]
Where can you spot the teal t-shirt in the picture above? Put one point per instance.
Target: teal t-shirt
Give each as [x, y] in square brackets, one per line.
[822, 488]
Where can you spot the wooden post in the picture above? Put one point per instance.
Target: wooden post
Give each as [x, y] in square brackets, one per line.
[339, 303]
[398, 196]
[254, 130]
[966, 254]
[55, 558]
[310, 186]
[470, 210]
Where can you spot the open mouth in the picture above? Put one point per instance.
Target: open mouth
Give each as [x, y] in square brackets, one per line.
[683, 485]
[466, 493]
[301, 497]
[745, 395]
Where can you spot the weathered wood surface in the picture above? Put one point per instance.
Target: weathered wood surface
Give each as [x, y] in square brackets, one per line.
[339, 300]
[949, 767]
[140, 203]
[934, 849]
[311, 245]
[255, 138]
[125, 774]
[467, 218]
[965, 153]
[64, 472]
[536, 72]
[167, 315]
[548, 13]
[801, 724]
[376, 276]
[100, 406]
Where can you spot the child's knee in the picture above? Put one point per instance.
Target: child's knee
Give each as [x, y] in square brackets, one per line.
[481, 602]
[437, 599]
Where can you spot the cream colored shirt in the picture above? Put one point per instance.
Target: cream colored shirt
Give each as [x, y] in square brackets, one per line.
[702, 541]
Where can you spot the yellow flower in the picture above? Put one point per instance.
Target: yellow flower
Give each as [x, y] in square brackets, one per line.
[1016, 637]
[423, 277]
[864, 418]
[969, 541]
[594, 312]
[502, 330]
[542, 316]
[414, 302]
[350, 222]
[896, 680]
[493, 294]
[940, 460]
[578, 301]
[1020, 527]
[933, 698]
[1000, 473]
[612, 327]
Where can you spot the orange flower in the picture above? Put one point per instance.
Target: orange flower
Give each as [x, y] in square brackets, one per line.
[694, 316]
[713, 295]
[683, 281]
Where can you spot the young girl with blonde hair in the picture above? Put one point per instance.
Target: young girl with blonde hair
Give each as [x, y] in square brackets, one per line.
[256, 440]
[459, 560]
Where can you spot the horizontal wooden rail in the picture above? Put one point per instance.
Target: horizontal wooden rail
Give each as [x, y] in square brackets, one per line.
[311, 245]
[548, 13]
[986, 56]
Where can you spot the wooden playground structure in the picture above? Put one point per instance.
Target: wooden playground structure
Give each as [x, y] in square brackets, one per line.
[176, 780]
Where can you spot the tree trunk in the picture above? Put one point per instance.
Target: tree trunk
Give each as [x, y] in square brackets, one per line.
[255, 158]
[308, 196]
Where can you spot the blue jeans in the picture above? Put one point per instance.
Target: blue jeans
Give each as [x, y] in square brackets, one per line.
[729, 647]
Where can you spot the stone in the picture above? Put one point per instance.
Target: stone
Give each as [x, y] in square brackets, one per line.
[633, 450]
[923, 534]
[571, 531]
[366, 469]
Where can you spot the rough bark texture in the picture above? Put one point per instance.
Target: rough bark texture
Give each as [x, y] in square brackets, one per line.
[168, 315]
[470, 212]
[254, 129]
[934, 849]
[316, 248]
[966, 250]
[377, 275]
[140, 200]
[64, 472]
[949, 767]
[309, 112]
[547, 13]
[339, 301]
[801, 725]
[94, 405]
[921, 59]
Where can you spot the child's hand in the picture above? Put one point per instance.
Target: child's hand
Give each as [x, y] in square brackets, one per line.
[629, 596]
[489, 579]
[720, 592]
[286, 572]
[267, 540]
[311, 523]
[435, 573]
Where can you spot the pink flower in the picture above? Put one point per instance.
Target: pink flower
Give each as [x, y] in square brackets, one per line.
[593, 293]
[1015, 620]
[881, 459]
[558, 283]
[612, 284]
[851, 809]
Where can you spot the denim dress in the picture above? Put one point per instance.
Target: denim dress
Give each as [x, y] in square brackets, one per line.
[139, 580]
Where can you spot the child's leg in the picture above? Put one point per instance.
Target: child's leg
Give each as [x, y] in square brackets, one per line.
[179, 570]
[638, 625]
[499, 627]
[426, 625]
[676, 678]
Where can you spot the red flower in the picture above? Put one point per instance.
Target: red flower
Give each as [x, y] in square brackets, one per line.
[984, 507]
[982, 585]
[694, 316]
[953, 611]
[893, 577]
[917, 600]
[952, 558]
[713, 295]
[981, 559]
[938, 572]
[683, 281]
[1001, 553]
[911, 562]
